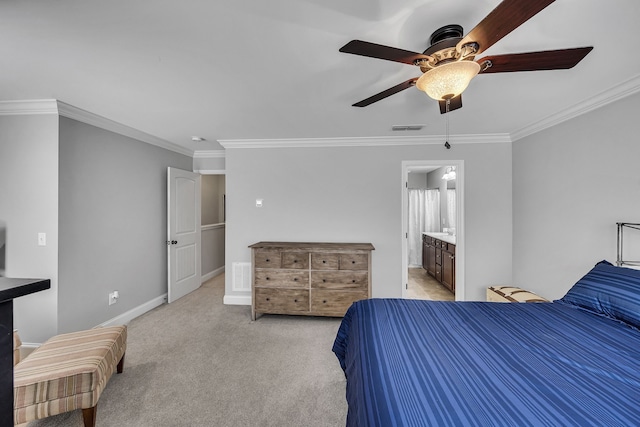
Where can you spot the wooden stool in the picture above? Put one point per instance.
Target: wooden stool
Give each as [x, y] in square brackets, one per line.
[68, 372]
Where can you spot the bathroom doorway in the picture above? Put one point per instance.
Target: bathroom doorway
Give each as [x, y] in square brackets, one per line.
[433, 238]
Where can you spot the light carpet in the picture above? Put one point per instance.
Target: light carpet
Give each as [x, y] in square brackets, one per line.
[197, 362]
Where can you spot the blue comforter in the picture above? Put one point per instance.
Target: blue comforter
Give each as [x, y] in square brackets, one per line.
[433, 363]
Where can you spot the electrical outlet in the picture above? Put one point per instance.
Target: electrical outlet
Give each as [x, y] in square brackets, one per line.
[113, 297]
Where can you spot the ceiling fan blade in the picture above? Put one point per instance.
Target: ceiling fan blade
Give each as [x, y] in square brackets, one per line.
[385, 93]
[372, 50]
[506, 17]
[454, 104]
[561, 59]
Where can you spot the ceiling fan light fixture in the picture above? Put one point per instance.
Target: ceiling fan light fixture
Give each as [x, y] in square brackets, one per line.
[448, 80]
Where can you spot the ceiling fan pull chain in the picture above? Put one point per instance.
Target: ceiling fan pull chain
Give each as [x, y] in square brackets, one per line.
[446, 141]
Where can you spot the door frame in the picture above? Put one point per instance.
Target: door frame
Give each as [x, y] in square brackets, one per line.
[423, 166]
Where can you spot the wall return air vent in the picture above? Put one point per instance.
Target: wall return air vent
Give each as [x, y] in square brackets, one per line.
[398, 128]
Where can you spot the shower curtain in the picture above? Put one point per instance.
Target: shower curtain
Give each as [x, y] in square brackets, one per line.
[424, 215]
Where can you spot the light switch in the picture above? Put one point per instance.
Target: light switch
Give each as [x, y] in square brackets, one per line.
[258, 203]
[42, 239]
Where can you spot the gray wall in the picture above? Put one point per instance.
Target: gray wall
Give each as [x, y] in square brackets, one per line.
[353, 194]
[571, 184]
[417, 180]
[29, 205]
[212, 251]
[434, 178]
[210, 162]
[213, 187]
[113, 223]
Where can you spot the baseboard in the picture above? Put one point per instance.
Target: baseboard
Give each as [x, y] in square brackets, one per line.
[122, 319]
[128, 316]
[237, 300]
[212, 274]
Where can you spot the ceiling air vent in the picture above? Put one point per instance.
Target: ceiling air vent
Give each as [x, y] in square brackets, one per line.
[397, 128]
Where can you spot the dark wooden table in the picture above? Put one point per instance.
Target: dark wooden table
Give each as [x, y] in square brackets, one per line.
[9, 290]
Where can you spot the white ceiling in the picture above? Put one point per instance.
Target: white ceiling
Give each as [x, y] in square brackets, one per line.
[255, 69]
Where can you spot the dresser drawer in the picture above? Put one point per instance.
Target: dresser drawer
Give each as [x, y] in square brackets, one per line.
[281, 300]
[354, 261]
[267, 258]
[340, 279]
[281, 278]
[334, 303]
[325, 261]
[296, 260]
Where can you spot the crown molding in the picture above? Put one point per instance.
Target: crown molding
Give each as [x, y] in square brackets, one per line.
[75, 113]
[617, 92]
[53, 106]
[363, 141]
[28, 107]
[209, 154]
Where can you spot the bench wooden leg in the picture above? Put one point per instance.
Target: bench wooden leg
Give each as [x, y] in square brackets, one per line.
[89, 416]
[120, 367]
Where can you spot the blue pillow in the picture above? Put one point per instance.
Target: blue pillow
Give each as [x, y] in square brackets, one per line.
[610, 291]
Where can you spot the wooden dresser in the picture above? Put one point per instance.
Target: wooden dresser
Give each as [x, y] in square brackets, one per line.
[311, 279]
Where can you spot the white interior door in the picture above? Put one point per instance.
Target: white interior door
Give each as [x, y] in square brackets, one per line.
[183, 238]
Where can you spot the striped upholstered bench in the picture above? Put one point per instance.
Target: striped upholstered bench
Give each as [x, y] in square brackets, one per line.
[68, 372]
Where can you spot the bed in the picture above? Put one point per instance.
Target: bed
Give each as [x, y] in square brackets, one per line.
[572, 362]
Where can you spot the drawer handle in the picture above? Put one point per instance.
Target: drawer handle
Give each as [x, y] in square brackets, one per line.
[268, 299]
[324, 301]
[295, 300]
[267, 260]
[324, 280]
[267, 278]
[324, 262]
[353, 262]
[295, 260]
[353, 281]
[295, 279]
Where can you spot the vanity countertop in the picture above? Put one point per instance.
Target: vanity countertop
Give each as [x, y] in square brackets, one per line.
[445, 237]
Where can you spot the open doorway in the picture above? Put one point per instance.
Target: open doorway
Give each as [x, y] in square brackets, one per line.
[433, 230]
[213, 225]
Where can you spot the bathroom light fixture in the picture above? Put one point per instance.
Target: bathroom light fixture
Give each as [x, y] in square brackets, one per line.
[448, 80]
[197, 139]
[450, 173]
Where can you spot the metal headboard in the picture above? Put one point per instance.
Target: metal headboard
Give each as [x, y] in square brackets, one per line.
[621, 228]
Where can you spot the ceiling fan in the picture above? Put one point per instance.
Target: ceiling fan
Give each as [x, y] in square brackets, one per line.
[449, 64]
